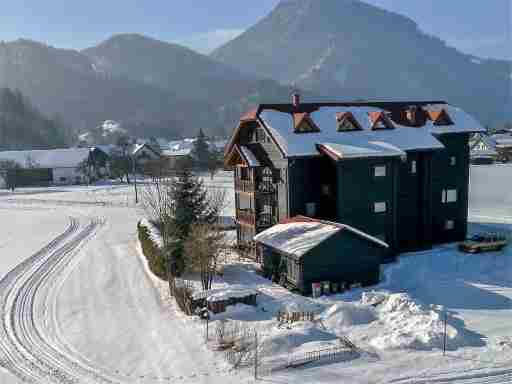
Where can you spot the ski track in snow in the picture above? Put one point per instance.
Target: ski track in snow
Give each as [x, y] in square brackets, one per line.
[27, 298]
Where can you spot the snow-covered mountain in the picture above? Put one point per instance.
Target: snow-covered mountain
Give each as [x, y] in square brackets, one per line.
[349, 49]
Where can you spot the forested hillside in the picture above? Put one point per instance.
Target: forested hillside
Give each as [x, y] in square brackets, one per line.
[23, 126]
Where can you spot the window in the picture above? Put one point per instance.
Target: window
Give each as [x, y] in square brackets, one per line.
[311, 209]
[379, 171]
[245, 202]
[267, 176]
[277, 176]
[449, 196]
[326, 189]
[380, 207]
[414, 167]
[293, 269]
[260, 136]
[347, 125]
[449, 225]
[244, 173]
[453, 161]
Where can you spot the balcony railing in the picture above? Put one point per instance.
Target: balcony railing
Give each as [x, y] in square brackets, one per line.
[265, 220]
[261, 220]
[251, 187]
[246, 217]
[244, 186]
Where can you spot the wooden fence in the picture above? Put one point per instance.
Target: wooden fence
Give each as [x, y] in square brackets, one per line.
[294, 317]
[329, 354]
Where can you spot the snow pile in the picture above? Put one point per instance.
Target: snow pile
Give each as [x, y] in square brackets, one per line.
[343, 315]
[223, 294]
[409, 325]
[300, 335]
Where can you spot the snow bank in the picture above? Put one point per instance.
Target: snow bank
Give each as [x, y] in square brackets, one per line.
[408, 325]
[343, 315]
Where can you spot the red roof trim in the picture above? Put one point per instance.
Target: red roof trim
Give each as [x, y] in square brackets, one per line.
[300, 117]
[376, 117]
[250, 115]
[439, 116]
[326, 151]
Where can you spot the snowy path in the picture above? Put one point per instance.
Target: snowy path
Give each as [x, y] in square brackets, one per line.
[83, 310]
[29, 350]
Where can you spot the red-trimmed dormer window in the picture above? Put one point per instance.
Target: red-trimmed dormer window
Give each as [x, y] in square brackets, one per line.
[379, 120]
[347, 122]
[440, 117]
[303, 123]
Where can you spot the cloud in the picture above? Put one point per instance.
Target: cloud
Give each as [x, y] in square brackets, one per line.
[207, 42]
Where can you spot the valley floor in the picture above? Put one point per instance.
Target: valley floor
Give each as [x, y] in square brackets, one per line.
[85, 309]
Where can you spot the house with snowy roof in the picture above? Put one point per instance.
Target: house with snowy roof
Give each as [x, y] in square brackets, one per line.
[306, 251]
[397, 171]
[48, 166]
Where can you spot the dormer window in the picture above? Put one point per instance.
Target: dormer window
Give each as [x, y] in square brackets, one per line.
[347, 122]
[379, 120]
[440, 117]
[304, 124]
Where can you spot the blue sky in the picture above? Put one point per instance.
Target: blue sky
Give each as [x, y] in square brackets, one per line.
[478, 27]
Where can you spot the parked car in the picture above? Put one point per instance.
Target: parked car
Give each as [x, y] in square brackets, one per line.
[484, 243]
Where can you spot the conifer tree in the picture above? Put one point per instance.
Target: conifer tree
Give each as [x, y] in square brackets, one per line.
[201, 151]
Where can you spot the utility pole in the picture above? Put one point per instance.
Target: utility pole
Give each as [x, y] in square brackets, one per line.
[444, 340]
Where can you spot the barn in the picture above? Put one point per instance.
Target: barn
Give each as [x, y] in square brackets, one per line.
[48, 166]
[302, 251]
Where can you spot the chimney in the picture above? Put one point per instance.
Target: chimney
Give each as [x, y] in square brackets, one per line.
[296, 100]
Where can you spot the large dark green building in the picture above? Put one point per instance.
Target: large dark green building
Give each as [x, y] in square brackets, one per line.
[398, 171]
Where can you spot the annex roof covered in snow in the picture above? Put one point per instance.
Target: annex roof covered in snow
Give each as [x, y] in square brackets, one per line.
[299, 235]
[48, 158]
[280, 125]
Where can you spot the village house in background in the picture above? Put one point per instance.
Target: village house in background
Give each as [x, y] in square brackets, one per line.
[489, 148]
[49, 167]
[396, 171]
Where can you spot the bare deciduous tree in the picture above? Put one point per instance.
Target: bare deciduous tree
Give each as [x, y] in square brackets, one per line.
[203, 247]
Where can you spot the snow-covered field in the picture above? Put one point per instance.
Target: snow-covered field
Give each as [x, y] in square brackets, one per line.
[85, 309]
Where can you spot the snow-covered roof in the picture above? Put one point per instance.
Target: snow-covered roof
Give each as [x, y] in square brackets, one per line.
[281, 126]
[48, 158]
[181, 152]
[300, 235]
[361, 149]
[249, 157]
[223, 294]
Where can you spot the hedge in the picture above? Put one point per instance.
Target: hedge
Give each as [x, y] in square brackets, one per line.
[152, 251]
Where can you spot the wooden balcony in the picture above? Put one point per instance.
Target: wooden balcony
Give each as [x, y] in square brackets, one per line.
[246, 217]
[244, 186]
[251, 187]
[265, 220]
[260, 221]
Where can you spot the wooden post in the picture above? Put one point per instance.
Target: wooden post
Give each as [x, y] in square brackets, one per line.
[255, 355]
[207, 322]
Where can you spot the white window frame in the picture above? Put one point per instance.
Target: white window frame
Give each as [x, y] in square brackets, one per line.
[453, 161]
[380, 171]
[450, 196]
[380, 207]
[449, 225]
[414, 167]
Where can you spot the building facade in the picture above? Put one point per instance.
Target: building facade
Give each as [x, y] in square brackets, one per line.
[398, 171]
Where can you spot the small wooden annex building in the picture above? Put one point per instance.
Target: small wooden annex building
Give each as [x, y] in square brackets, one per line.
[303, 251]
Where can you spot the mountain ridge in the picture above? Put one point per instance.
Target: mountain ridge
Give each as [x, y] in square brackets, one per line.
[350, 49]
